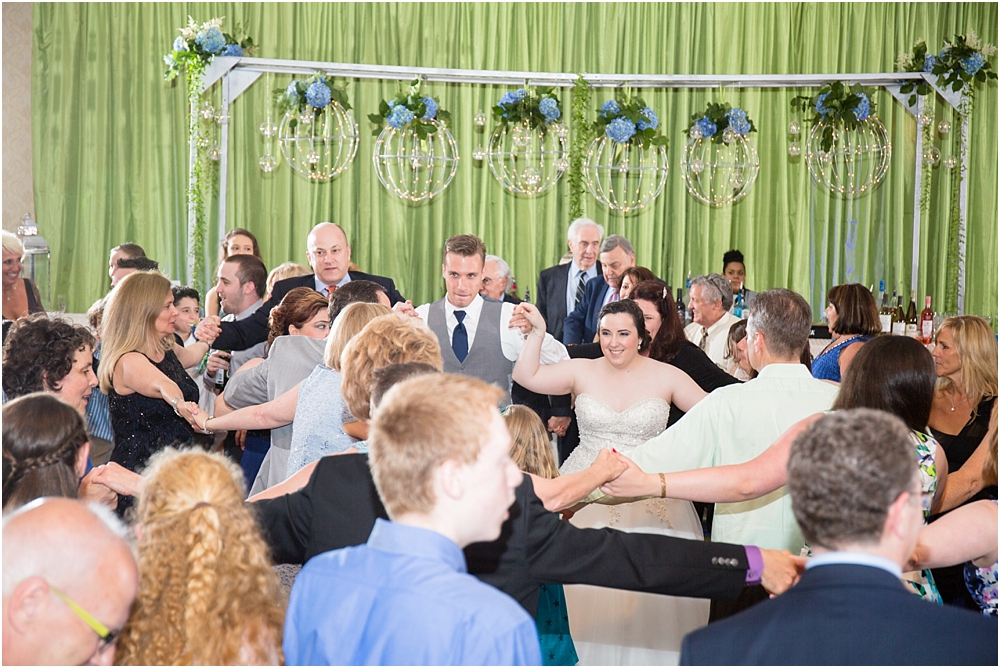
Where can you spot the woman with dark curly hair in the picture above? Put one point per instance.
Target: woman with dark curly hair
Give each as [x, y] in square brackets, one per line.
[207, 592]
[45, 449]
[45, 354]
[669, 344]
[302, 311]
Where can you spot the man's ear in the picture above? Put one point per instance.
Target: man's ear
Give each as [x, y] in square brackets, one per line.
[897, 519]
[28, 603]
[249, 288]
[450, 479]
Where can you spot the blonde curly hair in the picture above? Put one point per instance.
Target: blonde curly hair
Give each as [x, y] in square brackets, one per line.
[207, 592]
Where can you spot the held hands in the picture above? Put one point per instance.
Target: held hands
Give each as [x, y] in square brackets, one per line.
[631, 482]
[406, 308]
[93, 488]
[118, 479]
[782, 570]
[558, 425]
[208, 330]
[610, 463]
[217, 360]
[526, 317]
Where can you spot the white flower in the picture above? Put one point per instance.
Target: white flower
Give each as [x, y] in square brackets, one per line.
[988, 50]
[412, 90]
[187, 33]
[903, 60]
[972, 40]
[214, 23]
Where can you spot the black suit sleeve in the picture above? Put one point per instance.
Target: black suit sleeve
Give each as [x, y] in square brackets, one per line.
[575, 323]
[246, 333]
[542, 299]
[286, 522]
[558, 552]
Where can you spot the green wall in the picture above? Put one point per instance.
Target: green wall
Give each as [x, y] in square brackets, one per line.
[110, 155]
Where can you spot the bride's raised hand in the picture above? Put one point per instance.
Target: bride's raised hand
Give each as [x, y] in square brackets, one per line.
[527, 318]
[610, 466]
[632, 481]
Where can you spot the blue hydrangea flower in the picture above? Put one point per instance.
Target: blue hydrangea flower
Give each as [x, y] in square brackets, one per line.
[520, 94]
[610, 107]
[318, 94]
[400, 116]
[706, 126]
[820, 109]
[507, 99]
[620, 130]
[391, 103]
[647, 119]
[430, 109]
[972, 64]
[292, 93]
[180, 44]
[738, 121]
[233, 50]
[930, 60]
[211, 40]
[863, 109]
[549, 108]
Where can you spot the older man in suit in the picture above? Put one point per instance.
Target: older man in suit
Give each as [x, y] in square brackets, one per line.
[561, 288]
[856, 495]
[617, 255]
[329, 255]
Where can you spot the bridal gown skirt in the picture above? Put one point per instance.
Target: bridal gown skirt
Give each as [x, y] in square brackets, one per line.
[615, 627]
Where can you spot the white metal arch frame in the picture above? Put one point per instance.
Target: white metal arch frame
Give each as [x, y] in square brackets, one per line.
[238, 74]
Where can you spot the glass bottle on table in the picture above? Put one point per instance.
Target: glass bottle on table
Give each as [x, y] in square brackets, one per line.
[885, 314]
[927, 322]
[899, 318]
[681, 309]
[912, 322]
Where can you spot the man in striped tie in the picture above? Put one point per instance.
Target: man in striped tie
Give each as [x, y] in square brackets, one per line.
[560, 288]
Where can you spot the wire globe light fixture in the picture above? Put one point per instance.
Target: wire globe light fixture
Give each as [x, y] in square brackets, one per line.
[412, 168]
[624, 177]
[720, 163]
[528, 161]
[319, 146]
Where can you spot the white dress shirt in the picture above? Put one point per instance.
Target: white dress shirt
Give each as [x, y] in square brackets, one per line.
[321, 286]
[732, 425]
[573, 280]
[855, 559]
[718, 334]
[511, 340]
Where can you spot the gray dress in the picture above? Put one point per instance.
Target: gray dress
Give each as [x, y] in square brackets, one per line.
[319, 419]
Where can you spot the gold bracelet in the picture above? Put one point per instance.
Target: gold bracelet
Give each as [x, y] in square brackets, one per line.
[663, 487]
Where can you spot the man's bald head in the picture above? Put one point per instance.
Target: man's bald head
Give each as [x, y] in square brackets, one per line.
[62, 545]
[328, 252]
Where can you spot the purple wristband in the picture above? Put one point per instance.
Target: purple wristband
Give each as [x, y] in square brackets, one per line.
[755, 565]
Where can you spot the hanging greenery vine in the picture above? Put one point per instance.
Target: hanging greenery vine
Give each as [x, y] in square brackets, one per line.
[578, 147]
[956, 236]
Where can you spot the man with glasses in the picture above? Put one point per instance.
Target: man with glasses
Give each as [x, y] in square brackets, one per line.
[69, 580]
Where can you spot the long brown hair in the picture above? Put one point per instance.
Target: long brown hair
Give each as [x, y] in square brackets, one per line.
[670, 337]
[207, 592]
[237, 232]
[529, 442]
[42, 439]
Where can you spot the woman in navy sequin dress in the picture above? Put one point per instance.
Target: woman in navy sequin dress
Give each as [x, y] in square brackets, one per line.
[142, 371]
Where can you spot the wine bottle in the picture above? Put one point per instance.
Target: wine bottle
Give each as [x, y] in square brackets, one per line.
[927, 322]
[899, 318]
[912, 326]
[681, 309]
[881, 292]
[885, 314]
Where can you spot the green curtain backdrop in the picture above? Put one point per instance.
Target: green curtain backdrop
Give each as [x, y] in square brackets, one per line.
[110, 149]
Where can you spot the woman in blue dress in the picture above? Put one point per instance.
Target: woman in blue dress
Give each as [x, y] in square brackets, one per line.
[853, 319]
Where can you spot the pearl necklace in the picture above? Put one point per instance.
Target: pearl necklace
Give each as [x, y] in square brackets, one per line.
[954, 405]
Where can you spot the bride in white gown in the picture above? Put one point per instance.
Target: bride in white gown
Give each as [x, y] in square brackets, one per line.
[622, 400]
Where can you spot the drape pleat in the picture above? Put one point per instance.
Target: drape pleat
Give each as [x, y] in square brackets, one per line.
[110, 152]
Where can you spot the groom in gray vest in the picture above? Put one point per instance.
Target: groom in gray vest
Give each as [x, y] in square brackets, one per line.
[474, 331]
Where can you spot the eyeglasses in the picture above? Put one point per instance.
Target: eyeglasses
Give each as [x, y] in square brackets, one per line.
[106, 635]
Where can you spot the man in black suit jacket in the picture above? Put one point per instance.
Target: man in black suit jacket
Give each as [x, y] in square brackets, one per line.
[856, 495]
[617, 255]
[559, 287]
[329, 255]
[338, 507]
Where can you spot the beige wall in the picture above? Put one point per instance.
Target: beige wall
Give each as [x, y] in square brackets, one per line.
[18, 192]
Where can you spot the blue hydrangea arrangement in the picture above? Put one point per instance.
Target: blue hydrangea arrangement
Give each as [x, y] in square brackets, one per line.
[717, 119]
[957, 64]
[538, 107]
[198, 44]
[629, 121]
[836, 104]
[409, 106]
[312, 95]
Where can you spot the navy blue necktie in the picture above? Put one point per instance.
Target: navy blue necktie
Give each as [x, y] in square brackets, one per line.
[460, 338]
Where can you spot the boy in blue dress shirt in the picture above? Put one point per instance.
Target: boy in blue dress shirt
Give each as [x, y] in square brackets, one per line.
[439, 456]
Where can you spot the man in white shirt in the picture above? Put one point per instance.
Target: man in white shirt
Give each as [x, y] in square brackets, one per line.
[734, 424]
[474, 331]
[711, 299]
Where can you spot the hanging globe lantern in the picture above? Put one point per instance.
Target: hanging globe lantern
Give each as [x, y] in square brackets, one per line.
[527, 161]
[317, 134]
[857, 160]
[415, 168]
[720, 162]
[625, 177]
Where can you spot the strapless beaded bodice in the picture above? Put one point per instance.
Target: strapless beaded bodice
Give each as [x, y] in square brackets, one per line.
[603, 427]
